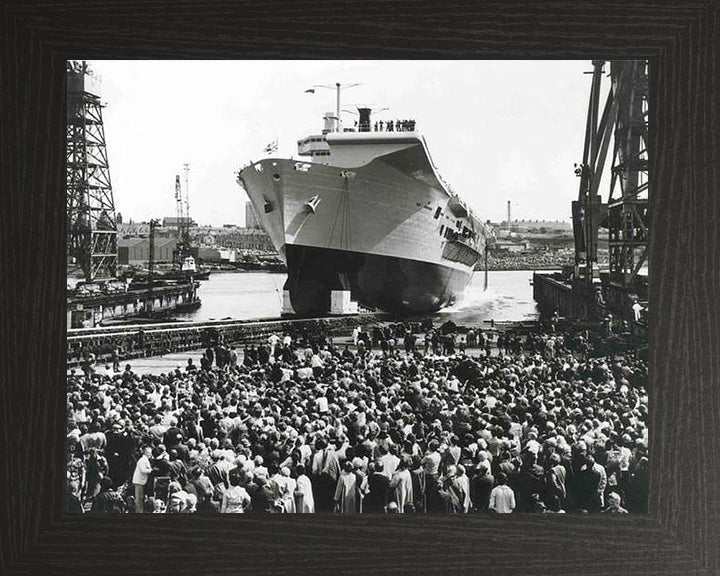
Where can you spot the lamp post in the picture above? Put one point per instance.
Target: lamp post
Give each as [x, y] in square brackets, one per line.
[149, 303]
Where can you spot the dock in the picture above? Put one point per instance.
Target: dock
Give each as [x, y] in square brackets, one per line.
[153, 340]
[558, 294]
[93, 310]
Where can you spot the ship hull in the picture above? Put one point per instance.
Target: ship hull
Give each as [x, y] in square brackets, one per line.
[386, 230]
[399, 286]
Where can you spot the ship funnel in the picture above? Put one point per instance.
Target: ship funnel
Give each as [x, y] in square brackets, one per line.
[364, 122]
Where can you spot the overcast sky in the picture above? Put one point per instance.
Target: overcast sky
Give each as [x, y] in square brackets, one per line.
[497, 130]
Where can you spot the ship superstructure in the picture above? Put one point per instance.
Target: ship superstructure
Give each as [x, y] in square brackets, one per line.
[368, 213]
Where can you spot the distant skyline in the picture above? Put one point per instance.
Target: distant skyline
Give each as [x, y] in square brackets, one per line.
[497, 130]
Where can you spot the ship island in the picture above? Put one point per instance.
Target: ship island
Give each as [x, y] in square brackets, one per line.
[364, 218]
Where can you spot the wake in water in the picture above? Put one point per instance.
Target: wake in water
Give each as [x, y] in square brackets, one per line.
[473, 299]
[508, 297]
[473, 307]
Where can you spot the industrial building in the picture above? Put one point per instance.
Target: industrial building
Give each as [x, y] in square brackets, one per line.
[142, 229]
[177, 221]
[136, 251]
[253, 239]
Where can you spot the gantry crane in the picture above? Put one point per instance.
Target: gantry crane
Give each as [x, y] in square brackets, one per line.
[624, 120]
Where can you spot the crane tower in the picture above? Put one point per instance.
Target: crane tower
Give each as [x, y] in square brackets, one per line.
[91, 224]
[182, 204]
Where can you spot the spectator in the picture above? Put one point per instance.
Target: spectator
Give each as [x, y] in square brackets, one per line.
[502, 499]
[346, 491]
[143, 469]
[425, 430]
[614, 502]
[235, 499]
[304, 503]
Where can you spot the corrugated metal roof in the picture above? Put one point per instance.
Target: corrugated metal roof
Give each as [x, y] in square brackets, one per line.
[129, 242]
[159, 242]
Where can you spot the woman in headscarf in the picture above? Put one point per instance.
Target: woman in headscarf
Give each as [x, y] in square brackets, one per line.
[287, 495]
[401, 482]
[303, 496]
[450, 492]
[177, 498]
[190, 504]
[614, 502]
[461, 482]
[346, 490]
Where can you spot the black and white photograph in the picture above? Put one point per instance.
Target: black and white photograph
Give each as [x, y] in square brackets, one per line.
[357, 287]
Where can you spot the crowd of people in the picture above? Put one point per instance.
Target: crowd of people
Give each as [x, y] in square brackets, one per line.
[550, 260]
[402, 419]
[391, 126]
[84, 351]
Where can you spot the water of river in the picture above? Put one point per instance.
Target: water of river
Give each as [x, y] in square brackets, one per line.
[248, 295]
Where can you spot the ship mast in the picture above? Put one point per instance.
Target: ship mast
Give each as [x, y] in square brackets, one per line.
[338, 87]
[337, 113]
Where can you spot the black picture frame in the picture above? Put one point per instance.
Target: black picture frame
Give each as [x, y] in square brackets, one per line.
[680, 535]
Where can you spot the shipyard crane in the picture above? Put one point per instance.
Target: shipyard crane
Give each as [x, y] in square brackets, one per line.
[91, 221]
[178, 206]
[182, 205]
[182, 236]
[186, 227]
[624, 120]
